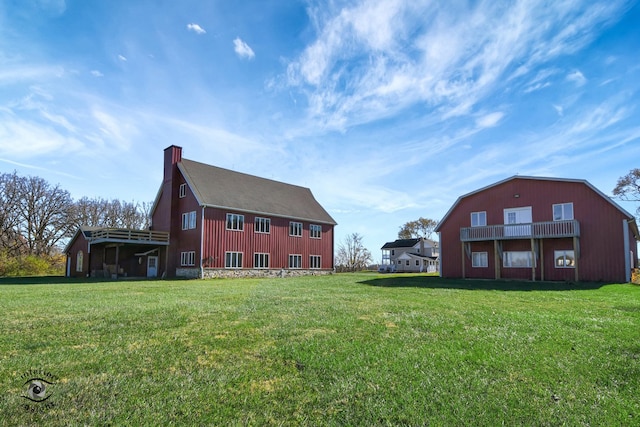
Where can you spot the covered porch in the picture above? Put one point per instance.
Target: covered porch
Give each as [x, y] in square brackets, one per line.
[116, 253]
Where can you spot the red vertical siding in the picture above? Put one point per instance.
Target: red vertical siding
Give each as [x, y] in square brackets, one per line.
[277, 243]
[601, 242]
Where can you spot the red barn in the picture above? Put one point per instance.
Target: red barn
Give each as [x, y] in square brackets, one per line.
[225, 223]
[210, 222]
[538, 229]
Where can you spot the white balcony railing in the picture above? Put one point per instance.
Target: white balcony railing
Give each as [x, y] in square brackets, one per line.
[132, 236]
[536, 230]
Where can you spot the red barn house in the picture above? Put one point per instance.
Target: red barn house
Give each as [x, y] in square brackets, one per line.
[538, 229]
[212, 222]
[225, 223]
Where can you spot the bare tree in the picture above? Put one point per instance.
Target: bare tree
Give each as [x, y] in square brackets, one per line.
[9, 204]
[628, 188]
[422, 227]
[112, 213]
[45, 214]
[352, 255]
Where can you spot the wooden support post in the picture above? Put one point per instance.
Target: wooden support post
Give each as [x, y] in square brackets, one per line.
[533, 260]
[117, 260]
[464, 276]
[496, 259]
[542, 260]
[576, 255]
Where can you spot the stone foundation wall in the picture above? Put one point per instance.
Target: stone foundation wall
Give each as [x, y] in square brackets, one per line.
[212, 273]
[191, 273]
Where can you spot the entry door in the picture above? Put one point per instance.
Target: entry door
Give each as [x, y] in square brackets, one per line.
[515, 216]
[152, 266]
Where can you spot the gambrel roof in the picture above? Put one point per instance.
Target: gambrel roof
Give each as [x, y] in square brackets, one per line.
[227, 189]
[630, 217]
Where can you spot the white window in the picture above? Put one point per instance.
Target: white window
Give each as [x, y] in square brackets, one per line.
[262, 225]
[233, 260]
[187, 258]
[295, 229]
[295, 261]
[315, 261]
[563, 211]
[183, 190]
[260, 260]
[189, 220]
[564, 259]
[79, 261]
[315, 231]
[235, 222]
[517, 259]
[479, 259]
[478, 219]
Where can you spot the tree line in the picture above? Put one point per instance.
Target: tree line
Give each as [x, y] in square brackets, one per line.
[37, 218]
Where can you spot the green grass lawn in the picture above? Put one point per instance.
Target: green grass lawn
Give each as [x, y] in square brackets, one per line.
[347, 349]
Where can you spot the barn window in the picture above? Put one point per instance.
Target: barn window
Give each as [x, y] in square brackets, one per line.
[183, 190]
[260, 260]
[262, 225]
[295, 261]
[79, 261]
[235, 222]
[479, 259]
[314, 261]
[315, 231]
[233, 260]
[189, 220]
[478, 219]
[564, 259]
[518, 259]
[187, 258]
[563, 211]
[295, 229]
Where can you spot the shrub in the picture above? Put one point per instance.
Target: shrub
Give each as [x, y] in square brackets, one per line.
[635, 276]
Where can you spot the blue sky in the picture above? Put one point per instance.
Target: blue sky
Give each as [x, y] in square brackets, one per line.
[388, 110]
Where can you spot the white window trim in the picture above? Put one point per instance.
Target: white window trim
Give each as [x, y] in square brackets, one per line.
[315, 229]
[240, 222]
[189, 220]
[264, 256]
[564, 256]
[261, 222]
[483, 257]
[295, 226]
[562, 205]
[232, 267]
[295, 256]
[183, 191]
[188, 259]
[311, 262]
[479, 215]
[79, 261]
[506, 258]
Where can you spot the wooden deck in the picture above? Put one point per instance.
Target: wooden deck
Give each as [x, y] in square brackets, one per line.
[113, 235]
[535, 230]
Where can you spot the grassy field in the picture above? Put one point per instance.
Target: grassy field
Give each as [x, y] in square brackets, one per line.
[348, 349]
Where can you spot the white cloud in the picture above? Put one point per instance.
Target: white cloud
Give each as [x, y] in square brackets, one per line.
[196, 28]
[243, 49]
[577, 77]
[489, 120]
[373, 59]
[122, 58]
[96, 73]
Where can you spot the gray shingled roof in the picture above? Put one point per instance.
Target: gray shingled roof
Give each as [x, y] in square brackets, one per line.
[223, 188]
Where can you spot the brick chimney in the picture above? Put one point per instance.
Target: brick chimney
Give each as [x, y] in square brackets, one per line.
[172, 155]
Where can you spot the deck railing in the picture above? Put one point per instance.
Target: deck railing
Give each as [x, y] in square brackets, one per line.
[536, 230]
[120, 235]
